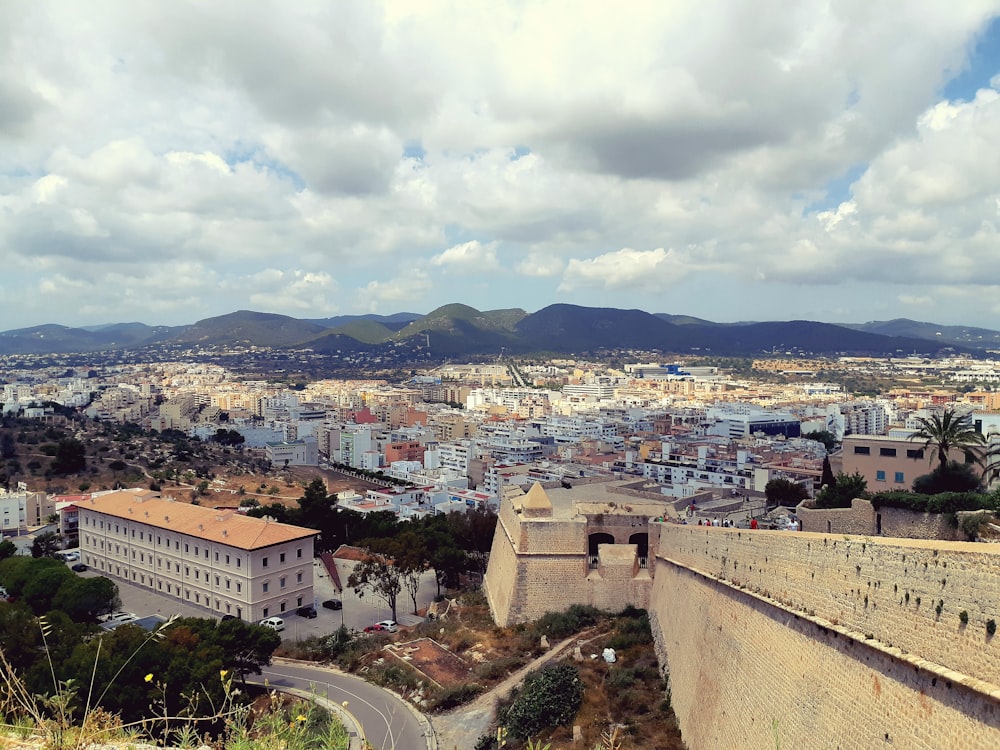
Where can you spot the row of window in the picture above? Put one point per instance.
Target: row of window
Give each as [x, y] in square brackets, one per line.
[865, 450]
[899, 478]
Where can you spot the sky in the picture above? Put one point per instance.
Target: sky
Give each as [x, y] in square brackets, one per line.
[168, 162]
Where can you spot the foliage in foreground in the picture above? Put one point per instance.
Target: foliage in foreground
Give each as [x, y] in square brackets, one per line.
[549, 697]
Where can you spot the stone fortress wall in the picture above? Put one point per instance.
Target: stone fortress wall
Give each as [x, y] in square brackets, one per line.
[822, 640]
[831, 641]
[539, 562]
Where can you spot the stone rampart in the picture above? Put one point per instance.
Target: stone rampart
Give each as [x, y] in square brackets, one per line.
[832, 641]
[863, 518]
[540, 565]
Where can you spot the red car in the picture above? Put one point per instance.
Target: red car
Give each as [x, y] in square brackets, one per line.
[375, 629]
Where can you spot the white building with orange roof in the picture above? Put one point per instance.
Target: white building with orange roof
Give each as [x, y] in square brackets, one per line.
[222, 561]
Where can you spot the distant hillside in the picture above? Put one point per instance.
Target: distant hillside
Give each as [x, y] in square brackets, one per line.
[247, 328]
[368, 331]
[393, 322]
[965, 336]
[458, 330]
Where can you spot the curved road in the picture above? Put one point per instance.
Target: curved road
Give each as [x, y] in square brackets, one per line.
[389, 723]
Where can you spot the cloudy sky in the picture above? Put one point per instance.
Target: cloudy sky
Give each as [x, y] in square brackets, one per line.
[164, 162]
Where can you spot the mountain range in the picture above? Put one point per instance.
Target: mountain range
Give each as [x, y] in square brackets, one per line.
[457, 330]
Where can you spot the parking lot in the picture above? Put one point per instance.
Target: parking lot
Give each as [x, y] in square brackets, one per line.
[358, 612]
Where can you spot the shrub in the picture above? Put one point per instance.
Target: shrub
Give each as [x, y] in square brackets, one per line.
[456, 695]
[991, 626]
[549, 697]
[955, 477]
[964, 617]
[565, 624]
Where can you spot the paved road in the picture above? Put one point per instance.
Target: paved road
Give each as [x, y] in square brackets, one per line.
[389, 724]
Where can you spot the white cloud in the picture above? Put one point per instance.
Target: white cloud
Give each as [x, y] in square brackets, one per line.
[626, 268]
[346, 143]
[468, 257]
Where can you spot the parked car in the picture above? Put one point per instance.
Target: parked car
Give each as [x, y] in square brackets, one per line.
[389, 626]
[227, 617]
[376, 628]
[118, 617]
[333, 604]
[275, 623]
[309, 612]
[78, 568]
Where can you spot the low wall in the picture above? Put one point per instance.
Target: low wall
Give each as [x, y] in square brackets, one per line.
[830, 641]
[862, 518]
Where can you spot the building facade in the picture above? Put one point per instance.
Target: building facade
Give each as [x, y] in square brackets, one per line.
[222, 561]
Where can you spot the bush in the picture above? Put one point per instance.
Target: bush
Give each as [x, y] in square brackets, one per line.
[945, 502]
[955, 477]
[565, 624]
[549, 697]
[991, 627]
[456, 695]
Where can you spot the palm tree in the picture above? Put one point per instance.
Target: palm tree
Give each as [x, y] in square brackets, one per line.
[947, 431]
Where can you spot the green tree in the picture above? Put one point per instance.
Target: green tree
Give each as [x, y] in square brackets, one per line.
[947, 431]
[843, 491]
[825, 437]
[378, 574]
[83, 599]
[71, 457]
[46, 545]
[785, 492]
[828, 477]
[7, 549]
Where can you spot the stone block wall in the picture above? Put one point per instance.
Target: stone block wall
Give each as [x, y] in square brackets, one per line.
[744, 672]
[862, 518]
[540, 565]
[890, 588]
[845, 641]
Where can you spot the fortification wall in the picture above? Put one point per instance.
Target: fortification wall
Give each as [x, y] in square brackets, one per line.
[862, 518]
[843, 640]
[743, 672]
[540, 565]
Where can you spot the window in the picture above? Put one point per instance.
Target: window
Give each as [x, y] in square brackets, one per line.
[264, 562]
[862, 450]
[196, 574]
[899, 477]
[217, 557]
[217, 580]
[298, 577]
[298, 552]
[298, 602]
[206, 553]
[187, 570]
[915, 453]
[227, 559]
[266, 586]
[879, 476]
[265, 611]
[887, 451]
[186, 549]
[281, 557]
[158, 539]
[281, 582]
[239, 587]
[228, 582]
[239, 561]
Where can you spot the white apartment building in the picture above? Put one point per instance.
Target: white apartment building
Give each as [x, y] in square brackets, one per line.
[225, 562]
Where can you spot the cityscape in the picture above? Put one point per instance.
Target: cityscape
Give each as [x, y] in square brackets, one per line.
[480, 376]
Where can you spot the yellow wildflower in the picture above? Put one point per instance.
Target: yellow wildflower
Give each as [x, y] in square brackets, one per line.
[223, 673]
[300, 717]
[149, 677]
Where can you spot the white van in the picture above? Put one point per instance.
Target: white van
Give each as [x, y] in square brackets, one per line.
[275, 623]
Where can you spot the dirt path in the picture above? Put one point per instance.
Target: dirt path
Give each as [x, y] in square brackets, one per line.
[461, 728]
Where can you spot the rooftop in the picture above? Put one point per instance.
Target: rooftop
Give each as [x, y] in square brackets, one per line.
[222, 527]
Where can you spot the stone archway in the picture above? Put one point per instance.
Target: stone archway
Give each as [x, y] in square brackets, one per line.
[593, 542]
